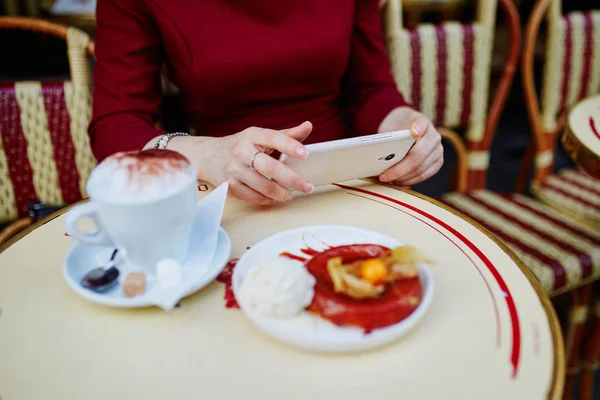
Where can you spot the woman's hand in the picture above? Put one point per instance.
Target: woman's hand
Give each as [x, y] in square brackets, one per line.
[426, 156]
[243, 158]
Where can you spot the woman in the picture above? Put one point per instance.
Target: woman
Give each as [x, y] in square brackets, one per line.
[256, 76]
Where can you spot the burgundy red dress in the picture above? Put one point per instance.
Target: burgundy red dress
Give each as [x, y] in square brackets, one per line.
[240, 63]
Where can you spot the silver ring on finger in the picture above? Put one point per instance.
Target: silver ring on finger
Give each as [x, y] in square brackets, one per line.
[252, 168]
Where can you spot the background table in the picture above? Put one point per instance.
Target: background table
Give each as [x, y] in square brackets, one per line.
[489, 333]
[582, 136]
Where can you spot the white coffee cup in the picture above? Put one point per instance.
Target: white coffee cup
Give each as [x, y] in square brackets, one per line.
[143, 203]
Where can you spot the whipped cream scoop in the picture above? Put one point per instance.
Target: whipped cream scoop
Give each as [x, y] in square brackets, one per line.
[278, 288]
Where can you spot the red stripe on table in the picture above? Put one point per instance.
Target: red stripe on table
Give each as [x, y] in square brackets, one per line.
[15, 148]
[567, 179]
[554, 220]
[442, 77]
[560, 278]
[585, 260]
[487, 285]
[593, 127]
[588, 29]
[468, 63]
[568, 43]
[415, 67]
[62, 143]
[574, 198]
[510, 303]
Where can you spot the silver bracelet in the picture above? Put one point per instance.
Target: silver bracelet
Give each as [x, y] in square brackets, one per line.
[161, 144]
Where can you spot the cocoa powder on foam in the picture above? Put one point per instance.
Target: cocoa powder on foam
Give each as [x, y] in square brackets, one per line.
[151, 162]
[143, 169]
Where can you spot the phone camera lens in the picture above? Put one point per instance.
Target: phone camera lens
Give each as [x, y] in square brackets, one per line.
[388, 158]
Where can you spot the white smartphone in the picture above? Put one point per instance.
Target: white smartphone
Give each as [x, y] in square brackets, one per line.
[353, 158]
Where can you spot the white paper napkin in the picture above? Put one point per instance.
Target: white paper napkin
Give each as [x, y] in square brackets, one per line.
[202, 248]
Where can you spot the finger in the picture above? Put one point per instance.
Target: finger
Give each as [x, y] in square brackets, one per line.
[282, 174]
[300, 132]
[277, 140]
[266, 187]
[432, 170]
[416, 156]
[419, 127]
[244, 151]
[243, 192]
[434, 156]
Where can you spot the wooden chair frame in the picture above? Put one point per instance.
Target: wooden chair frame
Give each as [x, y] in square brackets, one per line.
[59, 31]
[540, 140]
[40, 26]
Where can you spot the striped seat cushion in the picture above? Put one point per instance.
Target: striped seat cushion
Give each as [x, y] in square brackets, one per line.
[575, 192]
[45, 152]
[560, 251]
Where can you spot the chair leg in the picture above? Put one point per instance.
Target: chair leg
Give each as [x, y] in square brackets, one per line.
[574, 332]
[525, 168]
[591, 353]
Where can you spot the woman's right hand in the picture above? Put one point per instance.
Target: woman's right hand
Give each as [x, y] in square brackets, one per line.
[229, 159]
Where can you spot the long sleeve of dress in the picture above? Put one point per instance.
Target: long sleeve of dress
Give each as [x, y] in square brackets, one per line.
[369, 92]
[127, 93]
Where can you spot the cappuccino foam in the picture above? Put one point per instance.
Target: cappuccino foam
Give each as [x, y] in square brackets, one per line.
[140, 177]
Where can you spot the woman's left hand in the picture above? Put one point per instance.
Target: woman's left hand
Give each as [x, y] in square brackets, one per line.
[426, 156]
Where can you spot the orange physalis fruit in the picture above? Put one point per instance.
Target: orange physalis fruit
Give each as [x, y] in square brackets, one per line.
[374, 271]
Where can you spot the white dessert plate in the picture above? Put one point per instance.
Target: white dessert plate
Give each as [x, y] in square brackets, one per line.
[82, 258]
[309, 331]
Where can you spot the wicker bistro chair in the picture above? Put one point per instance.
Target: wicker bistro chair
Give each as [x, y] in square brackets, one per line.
[571, 73]
[45, 152]
[445, 70]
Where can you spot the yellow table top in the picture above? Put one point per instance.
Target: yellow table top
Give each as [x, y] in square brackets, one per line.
[490, 332]
[582, 136]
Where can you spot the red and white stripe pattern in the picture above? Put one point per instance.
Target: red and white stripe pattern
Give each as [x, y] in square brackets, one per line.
[575, 192]
[572, 65]
[560, 251]
[444, 70]
[44, 154]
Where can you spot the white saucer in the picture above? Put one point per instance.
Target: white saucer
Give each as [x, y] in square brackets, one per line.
[308, 331]
[83, 258]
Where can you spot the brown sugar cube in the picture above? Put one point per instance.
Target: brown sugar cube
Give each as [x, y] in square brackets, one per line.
[134, 284]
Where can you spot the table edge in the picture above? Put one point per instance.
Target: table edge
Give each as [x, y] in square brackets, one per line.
[582, 155]
[21, 234]
[558, 373]
[559, 368]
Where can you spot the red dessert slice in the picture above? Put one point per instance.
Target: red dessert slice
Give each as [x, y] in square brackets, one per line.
[397, 302]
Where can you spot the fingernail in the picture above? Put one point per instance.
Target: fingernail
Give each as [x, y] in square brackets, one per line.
[290, 197]
[418, 128]
[384, 178]
[308, 187]
[302, 152]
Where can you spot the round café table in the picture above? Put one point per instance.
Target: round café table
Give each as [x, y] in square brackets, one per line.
[582, 136]
[490, 332]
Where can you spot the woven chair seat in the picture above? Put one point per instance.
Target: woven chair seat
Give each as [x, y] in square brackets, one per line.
[44, 148]
[561, 252]
[574, 192]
